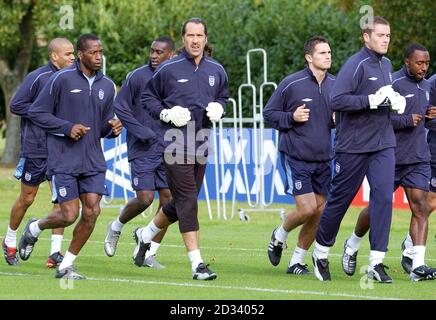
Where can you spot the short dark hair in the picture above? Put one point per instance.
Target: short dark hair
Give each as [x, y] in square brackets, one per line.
[81, 42]
[208, 49]
[178, 51]
[376, 20]
[309, 46]
[411, 48]
[55, 42]
[166, 40]
[194, 20]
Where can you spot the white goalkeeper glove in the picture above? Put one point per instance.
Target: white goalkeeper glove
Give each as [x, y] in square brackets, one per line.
[179, 116]
[214, 111]
[382, 98]
[398, 103]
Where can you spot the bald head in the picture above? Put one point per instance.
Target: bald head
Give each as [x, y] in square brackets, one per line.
[61, 52]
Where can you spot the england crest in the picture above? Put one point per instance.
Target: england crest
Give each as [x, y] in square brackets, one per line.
[101, 94]
[337, 167]
[28, 176]
[433, 182]
[211, 81]
[135, 181]
[298, 185]
[427, 95]
[63, 191]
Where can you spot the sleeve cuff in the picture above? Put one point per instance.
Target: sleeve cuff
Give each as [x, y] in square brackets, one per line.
[66, 129]
[291, 118]
[155, 111]
[410, 120]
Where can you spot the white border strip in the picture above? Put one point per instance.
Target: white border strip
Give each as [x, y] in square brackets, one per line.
[195, 285]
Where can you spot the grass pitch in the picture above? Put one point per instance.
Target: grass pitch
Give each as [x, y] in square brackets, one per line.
[236, 250]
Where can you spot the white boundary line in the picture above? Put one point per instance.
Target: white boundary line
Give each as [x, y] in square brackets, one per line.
[186, 284]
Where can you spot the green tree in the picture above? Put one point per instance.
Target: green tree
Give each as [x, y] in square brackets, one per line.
[127, 28]
[14, 19]
[411, 21]
[23, 38]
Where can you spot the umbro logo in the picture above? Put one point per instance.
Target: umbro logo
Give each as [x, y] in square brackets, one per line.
[373, 78]
[306, 99]
[182, 80]
[76, 90]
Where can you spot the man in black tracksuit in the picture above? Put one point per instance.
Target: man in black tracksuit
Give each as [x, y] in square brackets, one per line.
[187, 87]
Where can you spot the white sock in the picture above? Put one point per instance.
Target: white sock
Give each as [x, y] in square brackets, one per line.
[153, 249]
[281, 234]
[34, 229]
[11, 238]
[353, 243]
[117, 225]
[68, 260]
[195, 258]
[408, 243]
[56, 243]
[149, 232]
[418, 256]
[408, 247]
[376, 257]
[298, 256]
[321, 252]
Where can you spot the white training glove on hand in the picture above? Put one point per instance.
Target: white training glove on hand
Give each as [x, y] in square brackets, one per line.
[214, 111]
[178, 116]
[398, 103]
[386, 91]
[376, 100]
[382, 98]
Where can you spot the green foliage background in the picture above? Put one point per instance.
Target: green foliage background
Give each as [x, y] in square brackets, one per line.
[279, 26]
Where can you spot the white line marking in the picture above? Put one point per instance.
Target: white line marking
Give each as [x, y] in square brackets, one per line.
[195, 285]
